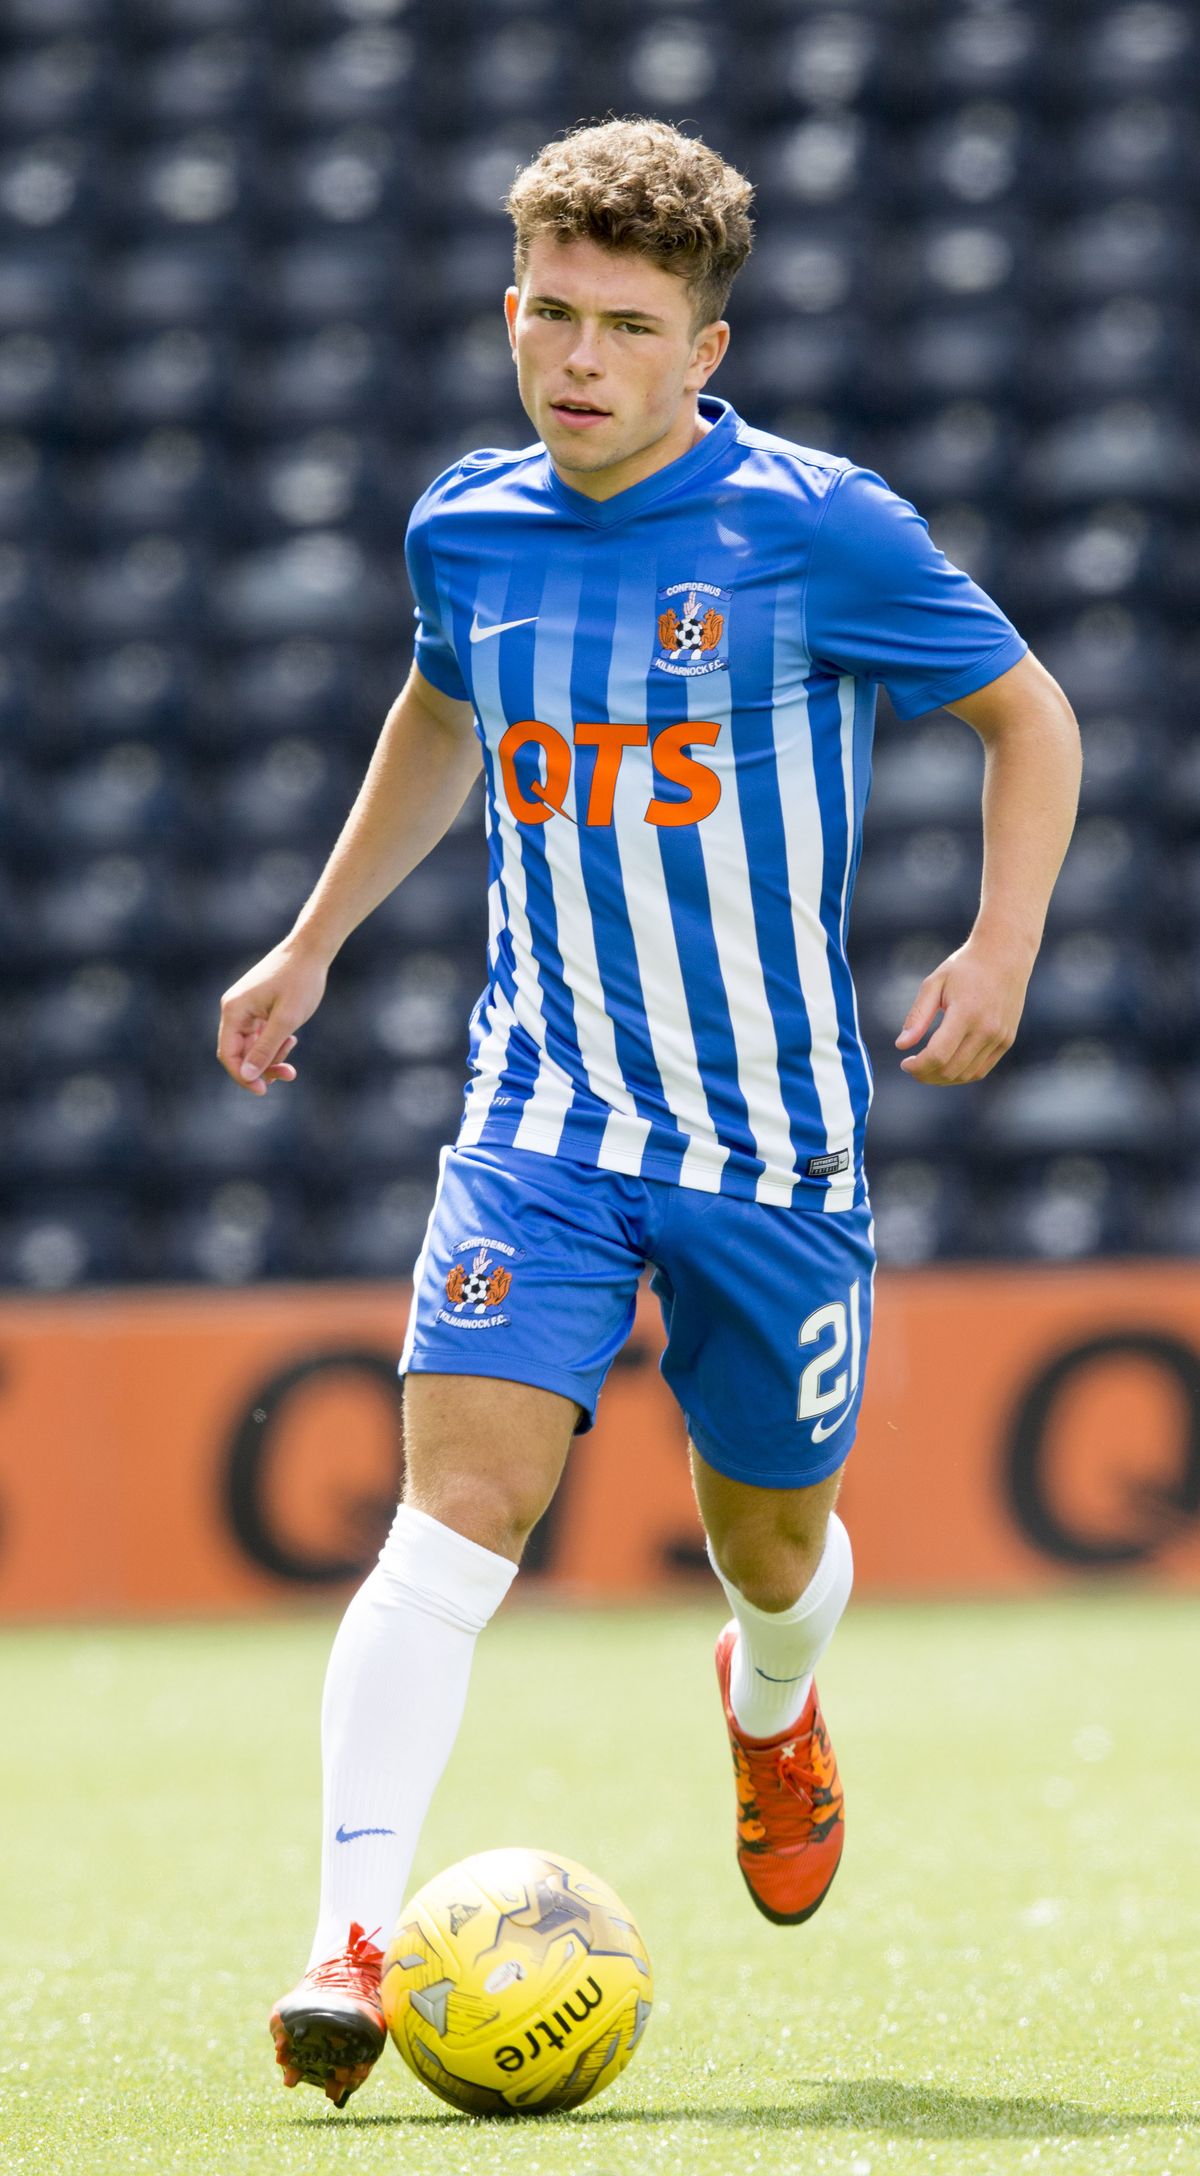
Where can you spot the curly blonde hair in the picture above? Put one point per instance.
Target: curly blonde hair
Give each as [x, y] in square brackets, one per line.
[642, 186]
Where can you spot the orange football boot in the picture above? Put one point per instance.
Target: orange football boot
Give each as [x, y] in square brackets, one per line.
[329, 2031]
[790, 1828]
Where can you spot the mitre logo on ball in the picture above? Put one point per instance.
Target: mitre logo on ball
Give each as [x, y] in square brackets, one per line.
[693, 629]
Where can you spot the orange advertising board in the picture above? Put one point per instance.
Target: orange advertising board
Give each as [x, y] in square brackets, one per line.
[182, 1452]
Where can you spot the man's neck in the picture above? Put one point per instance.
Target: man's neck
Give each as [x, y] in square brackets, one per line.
[604, 483]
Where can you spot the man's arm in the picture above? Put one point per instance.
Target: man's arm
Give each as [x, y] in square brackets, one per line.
[1031, 773]
[426, 760]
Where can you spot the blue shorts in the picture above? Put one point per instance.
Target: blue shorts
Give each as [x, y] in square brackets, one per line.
[530, 1269]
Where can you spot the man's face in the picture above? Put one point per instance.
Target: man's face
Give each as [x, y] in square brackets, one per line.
[608, 360]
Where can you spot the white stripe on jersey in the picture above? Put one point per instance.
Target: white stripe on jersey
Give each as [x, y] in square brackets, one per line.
[805, 847]
[625, 1132]
[553, 1091]
[490, 1058]
[649, 910]
[727, 867]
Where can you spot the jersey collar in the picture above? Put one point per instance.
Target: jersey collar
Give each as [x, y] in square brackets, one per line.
[605, 513]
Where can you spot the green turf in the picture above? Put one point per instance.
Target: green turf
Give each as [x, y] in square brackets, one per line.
[1006, 1975]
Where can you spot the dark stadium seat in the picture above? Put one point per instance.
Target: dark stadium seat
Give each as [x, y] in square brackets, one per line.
[1091, 1097]
[910, 1119]
[927, 773]
[40, 288]
[289, 793]
[963, 450]
[212, 1127]
[923, 878]
[924, 1211]
[1125, 449]
[169, 284]
[109, 905]
[152, 585]
[1091, 983]
[216, 80]
[376, 1230]
[70, 1240]
[361, 74]
[335, 373]
[1147, 47]
[1076, 1207]
[293, 686]
[130, 795]
[180, 375]
[60, 83]
[202, 182]
[95, 1015]
[1123, 346]
[245, 904]
[30, 486]
[129, 690]
[81, 1123]
[324, 279]
[236, 1233]
[395, 1123]
[168, 479]
[39, 380]
[1138, 146]
[48, 186]
[323, 583]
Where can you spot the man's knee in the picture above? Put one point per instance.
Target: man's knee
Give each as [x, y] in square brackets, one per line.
[484, 1456]
[767, 1542]
[499, 1511]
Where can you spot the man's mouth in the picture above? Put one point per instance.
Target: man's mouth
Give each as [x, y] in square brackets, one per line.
[577, 413]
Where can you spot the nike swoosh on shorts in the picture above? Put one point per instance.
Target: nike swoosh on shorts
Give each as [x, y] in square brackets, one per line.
[821, 1429]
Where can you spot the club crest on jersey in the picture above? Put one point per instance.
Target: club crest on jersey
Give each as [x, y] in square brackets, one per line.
[476, 1288]
[693, 629]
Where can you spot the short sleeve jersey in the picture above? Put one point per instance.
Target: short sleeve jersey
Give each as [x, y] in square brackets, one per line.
[675, 691]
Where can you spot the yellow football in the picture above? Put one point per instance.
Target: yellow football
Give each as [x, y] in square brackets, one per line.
[516, 1983]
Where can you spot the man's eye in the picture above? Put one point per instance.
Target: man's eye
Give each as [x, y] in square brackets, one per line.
[545, 311]
[629, 326]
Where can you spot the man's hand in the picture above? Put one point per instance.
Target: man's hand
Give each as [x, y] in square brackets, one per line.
[980, 994]
[260, 1014]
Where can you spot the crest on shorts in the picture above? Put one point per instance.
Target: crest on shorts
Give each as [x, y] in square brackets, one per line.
[693, 629]
[477, 1284]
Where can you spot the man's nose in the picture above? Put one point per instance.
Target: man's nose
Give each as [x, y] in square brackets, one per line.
[584, 358]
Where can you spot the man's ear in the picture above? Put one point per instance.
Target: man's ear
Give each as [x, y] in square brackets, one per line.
[512, 297]
[708, 349]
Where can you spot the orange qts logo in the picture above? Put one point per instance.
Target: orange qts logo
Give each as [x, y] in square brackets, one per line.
[536, 802]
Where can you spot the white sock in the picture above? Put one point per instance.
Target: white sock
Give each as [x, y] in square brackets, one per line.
[395, 1690]
[778, 1650]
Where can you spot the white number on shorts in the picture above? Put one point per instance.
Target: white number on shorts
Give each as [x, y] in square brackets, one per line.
[816, 1396]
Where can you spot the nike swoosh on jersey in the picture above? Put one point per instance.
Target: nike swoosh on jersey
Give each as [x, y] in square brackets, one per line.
[481, 634]
[821, 1428]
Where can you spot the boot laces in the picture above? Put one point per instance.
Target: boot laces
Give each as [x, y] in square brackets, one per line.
[356, 1967]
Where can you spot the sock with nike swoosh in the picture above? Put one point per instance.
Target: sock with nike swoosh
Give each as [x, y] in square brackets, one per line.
[395, 1690]
[778, 1650]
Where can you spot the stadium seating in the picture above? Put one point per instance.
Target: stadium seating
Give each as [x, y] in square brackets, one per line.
[251, 254]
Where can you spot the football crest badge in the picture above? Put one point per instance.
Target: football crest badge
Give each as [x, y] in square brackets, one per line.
[476, 1288]
[693, 629]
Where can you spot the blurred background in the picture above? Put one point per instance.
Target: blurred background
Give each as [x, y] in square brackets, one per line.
[251, 260]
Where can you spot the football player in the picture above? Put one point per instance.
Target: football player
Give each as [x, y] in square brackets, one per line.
[658, 632]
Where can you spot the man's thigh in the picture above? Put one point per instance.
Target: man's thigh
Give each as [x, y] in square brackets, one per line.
[528, 1273]
[768, 1318]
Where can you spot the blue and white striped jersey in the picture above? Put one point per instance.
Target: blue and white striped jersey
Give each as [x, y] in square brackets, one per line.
[675, 693]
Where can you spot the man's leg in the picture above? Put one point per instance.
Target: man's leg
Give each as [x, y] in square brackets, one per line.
[484, 1458]
[783, 1558]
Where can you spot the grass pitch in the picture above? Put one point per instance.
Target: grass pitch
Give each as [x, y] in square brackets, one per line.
[1006, 1974]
